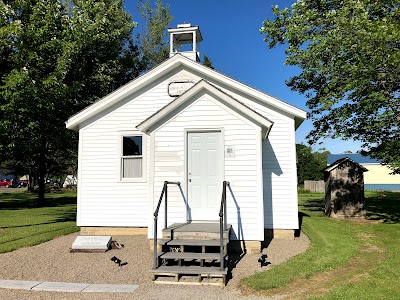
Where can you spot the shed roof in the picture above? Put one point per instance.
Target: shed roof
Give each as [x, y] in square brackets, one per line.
[337, 163]
[358, 158]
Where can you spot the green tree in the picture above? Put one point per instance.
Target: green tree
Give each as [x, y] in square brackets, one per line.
[59, 57]
[154, 47]
[348, 53]
[207, 62]
[309, 165]
[321, 157]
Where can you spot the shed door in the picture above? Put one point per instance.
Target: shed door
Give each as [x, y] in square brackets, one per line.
[205, 162]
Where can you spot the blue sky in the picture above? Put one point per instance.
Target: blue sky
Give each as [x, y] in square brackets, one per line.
[232, 41]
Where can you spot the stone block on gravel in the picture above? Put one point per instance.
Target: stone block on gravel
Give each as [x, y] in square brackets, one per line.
[18, 284]
[111, 288]
[92, 243]
[60, 287]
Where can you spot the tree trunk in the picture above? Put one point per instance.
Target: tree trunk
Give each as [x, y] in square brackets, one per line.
[31, 183]
[41, 200]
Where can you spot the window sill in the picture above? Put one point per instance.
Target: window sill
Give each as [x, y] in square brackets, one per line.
[130, 180]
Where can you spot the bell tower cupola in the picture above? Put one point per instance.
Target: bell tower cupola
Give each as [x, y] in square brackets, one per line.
[185, 40]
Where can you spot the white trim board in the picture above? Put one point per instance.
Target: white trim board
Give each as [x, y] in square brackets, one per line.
[167, 66]
[148, 125]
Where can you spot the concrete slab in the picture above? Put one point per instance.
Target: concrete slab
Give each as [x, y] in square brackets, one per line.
[92, 242]
[60, 287]
[111, 288]
[18, 284]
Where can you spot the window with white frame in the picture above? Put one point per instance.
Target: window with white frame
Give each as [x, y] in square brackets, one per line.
[132, 160]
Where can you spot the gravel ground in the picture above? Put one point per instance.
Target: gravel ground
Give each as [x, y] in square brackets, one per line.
[52, 261]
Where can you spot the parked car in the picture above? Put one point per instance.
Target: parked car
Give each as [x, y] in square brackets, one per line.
[22, 184]
[54, 182]
[15, 184]
[6, 183]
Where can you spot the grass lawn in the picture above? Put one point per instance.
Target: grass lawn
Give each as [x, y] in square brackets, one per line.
[347, 259]
[23, 225]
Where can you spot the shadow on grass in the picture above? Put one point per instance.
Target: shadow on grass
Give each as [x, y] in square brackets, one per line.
[383, 206]
[313, 205]
[13, 201]
[297, 232]
[55, 217]
[67, 217]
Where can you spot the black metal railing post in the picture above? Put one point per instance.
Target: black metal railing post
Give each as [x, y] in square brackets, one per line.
[155, 264]
[165, 203]
[221, 245]
[163, 192]
[225, 212]
[222, 226]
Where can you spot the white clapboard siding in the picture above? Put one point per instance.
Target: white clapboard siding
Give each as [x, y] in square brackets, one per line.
[282, 146]
[103, 199]
[279, 177]
[170, 138]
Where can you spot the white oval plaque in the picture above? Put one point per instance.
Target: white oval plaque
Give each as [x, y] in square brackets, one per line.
[177, 88]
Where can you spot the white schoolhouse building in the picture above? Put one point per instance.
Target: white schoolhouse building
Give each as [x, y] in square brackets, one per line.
[184, 122]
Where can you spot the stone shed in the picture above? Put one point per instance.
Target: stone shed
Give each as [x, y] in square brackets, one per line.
[344, 189]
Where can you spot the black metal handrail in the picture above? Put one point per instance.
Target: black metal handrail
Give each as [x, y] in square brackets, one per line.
[222, 225]
[164, 192]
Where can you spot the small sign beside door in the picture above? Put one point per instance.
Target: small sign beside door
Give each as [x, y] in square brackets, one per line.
[229, 151]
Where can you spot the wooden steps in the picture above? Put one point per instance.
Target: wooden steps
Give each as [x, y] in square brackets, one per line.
[200, 231]
[192, 252]
[189, 255]
[193, 270]
[186, 242]
[196, 273]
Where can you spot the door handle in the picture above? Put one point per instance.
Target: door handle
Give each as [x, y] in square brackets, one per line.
[190, 180]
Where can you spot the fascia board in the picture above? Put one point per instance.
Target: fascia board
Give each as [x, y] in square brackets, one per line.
[225, 99]
[122, 92]
[167, 109]
[192, 28]
[297, 112]
[168, 65]
[256, 118]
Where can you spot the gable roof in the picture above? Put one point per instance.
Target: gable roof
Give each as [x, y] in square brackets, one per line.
[358, 158]
[167, 66]
[227, 100]
[338, 162]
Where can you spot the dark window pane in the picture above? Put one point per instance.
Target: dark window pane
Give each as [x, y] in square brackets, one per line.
[132, 145]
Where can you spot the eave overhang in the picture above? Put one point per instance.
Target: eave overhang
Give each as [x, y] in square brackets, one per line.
[168, 65]
[168, 111]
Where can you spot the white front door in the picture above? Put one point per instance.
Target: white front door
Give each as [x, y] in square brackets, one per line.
[204, 165]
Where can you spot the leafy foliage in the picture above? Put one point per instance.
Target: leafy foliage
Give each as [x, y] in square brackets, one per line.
[207, 62]
[350, 60]
[61, 56]
[310, 164]
[57, 57]
[153, 46]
